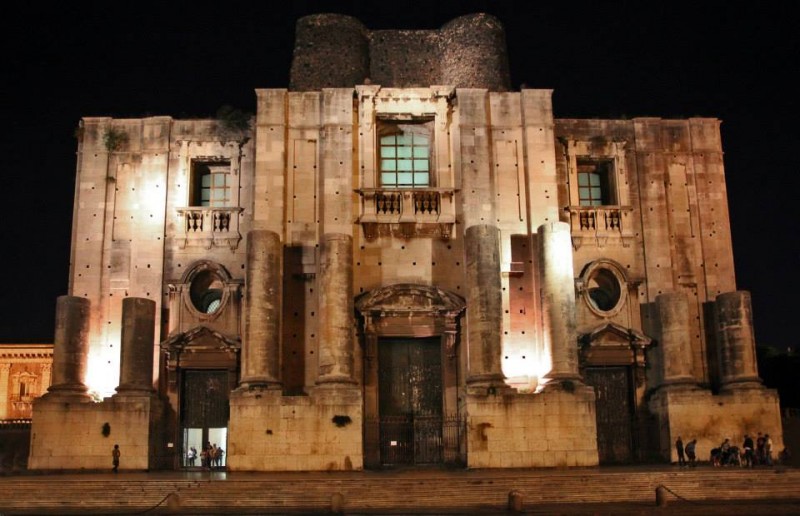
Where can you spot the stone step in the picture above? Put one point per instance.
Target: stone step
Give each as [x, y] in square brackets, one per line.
[376, 491]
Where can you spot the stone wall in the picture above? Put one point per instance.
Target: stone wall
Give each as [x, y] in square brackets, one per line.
[320, 432]
[697, 414]
[336, 51]
[69, 436]
[555, 428]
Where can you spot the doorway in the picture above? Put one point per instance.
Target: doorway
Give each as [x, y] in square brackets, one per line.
[614, 407]
[205, 411]
[410, 401]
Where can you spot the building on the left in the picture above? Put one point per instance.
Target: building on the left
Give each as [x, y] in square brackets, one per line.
[24, 376]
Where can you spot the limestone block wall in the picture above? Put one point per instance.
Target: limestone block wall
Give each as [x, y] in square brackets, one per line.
[697, 414]
[554, 428]
[320, 432]
[69, 436]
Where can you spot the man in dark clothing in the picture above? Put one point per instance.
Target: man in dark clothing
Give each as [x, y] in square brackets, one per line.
[748, 451]
[115, 458]
[679, 449]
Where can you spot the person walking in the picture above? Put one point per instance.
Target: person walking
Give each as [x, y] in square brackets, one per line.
[115, 454]
[679, 449]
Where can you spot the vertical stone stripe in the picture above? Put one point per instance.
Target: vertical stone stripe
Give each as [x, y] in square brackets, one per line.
[336, 309]
[484, 305]
[261, 366]
[673, 312]
[558, 300]
[138, 332]
[71, 346]
[737, 344]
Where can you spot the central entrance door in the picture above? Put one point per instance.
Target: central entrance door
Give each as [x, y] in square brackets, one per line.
[204, 416]
[614, 412]
[410, 400]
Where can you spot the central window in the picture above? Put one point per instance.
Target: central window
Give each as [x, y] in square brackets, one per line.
[211, 185]
[595, 182]
[405, 154]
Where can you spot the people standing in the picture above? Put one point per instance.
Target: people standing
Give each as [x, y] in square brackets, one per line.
[679, 449]
[768, 449]
[115, 454]
[760, 449]
[748, 451]
[690, 452]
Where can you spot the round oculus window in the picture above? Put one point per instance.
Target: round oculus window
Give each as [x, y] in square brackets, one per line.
[206, 292]
[603, 289]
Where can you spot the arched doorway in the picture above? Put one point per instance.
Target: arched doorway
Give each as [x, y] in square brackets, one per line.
[411, 376]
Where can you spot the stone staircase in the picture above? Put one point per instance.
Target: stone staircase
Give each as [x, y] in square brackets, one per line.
[382, 492]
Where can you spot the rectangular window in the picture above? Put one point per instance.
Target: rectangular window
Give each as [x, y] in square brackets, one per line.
[405, 154]
[211, 184]
[595, 180]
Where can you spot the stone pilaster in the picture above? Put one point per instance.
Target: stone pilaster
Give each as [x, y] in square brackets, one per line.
[261, 346]
[737, 344]
[484, 307]
[336, 309]
[558, 301]
[138, 332]
[673, 312]
[70, 349]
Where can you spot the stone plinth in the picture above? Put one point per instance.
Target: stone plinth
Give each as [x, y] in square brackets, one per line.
[60, 429]
[697, 414]
[554, 428]
[320, 432]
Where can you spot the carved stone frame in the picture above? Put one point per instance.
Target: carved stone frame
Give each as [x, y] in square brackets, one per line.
[414, 311]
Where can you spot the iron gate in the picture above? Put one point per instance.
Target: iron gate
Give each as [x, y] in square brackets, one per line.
[405, 440]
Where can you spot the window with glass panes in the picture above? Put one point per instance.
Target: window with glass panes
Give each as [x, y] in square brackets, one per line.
[405, 152]
[594, 182]
[211, 184]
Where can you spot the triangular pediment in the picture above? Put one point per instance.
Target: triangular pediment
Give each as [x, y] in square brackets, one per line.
[614, 335]
[409, 298]
[200, 338]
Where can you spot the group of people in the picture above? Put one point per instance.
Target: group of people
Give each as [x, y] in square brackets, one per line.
[752, 453]
[211, 456]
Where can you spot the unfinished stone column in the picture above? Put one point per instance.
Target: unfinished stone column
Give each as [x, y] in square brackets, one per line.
[673, 312]
[336, 309]
[70, 349]
[138, 332]
[736, 341]
[484, 306]
[558, 300]
[261, 348]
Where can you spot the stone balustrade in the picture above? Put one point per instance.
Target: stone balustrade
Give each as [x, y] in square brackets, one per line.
[209, 227]
[600, 223]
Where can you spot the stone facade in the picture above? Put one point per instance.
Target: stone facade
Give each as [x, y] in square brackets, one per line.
[25, 371]
[399, 268]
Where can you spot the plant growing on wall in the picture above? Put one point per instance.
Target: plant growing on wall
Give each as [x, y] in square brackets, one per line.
[114, 139]
[234, 123]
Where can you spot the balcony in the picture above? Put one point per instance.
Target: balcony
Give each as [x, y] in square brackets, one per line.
[208, 227]
[407, 213]
[596, 224]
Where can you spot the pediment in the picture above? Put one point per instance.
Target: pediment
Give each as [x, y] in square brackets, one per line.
[200, 338]
[409, 298]
[614, 335]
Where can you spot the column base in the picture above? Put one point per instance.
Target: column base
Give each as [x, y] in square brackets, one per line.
[72, 392]
[488, 385]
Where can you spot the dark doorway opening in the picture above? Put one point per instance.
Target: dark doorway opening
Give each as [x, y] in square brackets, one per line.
[205, 410]
[615, 414]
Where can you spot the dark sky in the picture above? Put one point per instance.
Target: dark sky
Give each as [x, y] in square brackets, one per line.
[603, 59]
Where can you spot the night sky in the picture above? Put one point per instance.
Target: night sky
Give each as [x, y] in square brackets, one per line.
[603, 60]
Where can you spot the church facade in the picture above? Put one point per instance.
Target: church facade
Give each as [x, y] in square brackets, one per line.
[399, 261]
